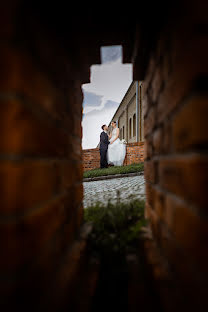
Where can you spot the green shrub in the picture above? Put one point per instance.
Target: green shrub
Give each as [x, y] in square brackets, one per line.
[116, 227]
[114, 170]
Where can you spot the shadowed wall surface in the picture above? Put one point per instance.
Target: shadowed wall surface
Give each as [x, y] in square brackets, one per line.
[44, 60]
[176, 161]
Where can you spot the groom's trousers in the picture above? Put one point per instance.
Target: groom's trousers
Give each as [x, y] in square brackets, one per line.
[103, 158]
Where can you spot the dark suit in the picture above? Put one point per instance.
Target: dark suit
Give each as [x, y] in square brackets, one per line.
[103, 149]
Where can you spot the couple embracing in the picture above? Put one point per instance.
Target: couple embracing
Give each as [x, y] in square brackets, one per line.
[112, 151]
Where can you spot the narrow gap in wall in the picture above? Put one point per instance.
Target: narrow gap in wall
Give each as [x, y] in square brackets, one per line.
[102, 96]
[114, 205]
[112, 95]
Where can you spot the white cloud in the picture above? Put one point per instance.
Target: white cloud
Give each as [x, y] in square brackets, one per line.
[93, 121]
[110, 54]
[109, 83]
[110, 80]
[91, 99]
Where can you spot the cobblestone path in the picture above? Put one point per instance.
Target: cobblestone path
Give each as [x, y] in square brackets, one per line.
[104, 190]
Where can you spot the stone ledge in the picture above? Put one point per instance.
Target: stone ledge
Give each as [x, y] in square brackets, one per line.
[114, 176]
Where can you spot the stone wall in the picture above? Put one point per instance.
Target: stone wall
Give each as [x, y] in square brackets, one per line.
[176, 162]
[134, 154]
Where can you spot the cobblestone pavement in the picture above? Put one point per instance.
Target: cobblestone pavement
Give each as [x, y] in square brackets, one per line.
[104, 190]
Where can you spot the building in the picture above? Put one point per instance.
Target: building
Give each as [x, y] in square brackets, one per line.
[130, 120]
[129, 115]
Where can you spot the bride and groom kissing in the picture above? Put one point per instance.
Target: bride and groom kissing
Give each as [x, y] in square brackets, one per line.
[112, 152]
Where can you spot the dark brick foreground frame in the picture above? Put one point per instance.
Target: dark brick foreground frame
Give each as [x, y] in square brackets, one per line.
[45, 57]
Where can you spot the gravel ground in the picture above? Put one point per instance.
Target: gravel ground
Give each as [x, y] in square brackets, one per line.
[105, 190]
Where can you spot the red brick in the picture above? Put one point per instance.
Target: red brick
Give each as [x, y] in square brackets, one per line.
[79, 215]
[189, 61]
[150, 173]
[148, 148]
[145, 104]
[158, 138]
[76, 98]
[158, 263]
[149, 191]
[77, 127]
[26, 133]
[149, 74]
[70, 171]
[159, 202]
[189, 229]
[153, 219]
[70, 269]
[177, 258]
[186, 176]
[167, 66]
[26, 184]
[20, 75]
[25, 238]
[91, 158]
[78, 193]
[190, 124]
[148, 209]
[74, 148]
[167, 138]
[156, 84]
[149, 121]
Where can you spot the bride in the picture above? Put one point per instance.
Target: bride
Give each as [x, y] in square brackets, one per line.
[116, 150]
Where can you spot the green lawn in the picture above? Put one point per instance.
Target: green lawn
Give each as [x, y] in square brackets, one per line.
[114, 170]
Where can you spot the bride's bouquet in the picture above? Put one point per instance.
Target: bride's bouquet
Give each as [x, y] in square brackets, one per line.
[123, 141]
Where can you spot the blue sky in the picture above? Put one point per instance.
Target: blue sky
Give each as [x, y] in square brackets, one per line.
[102, 96]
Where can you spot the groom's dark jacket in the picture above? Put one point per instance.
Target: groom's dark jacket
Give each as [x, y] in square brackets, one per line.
[104, 141]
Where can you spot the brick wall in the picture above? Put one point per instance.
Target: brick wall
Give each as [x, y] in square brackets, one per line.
[91, 158]
[40, 171]
[43, 251]
[176, 161]
[134, 154]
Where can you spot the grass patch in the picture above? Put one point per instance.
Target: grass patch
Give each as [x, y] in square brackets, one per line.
[116, 227]
[114, 170]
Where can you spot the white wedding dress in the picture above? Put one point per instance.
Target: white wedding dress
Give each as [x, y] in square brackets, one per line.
[116, 151]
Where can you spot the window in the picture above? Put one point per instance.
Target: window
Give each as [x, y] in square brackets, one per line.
[130, 128]
[120, 134]
[134, 125]
[123, 132]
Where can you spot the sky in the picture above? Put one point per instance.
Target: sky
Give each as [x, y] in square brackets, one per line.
[102, 96]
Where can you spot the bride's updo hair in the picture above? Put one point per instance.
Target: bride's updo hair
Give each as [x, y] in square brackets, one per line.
[114, 122]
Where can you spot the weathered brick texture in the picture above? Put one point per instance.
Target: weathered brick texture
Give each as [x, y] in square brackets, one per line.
[44, 260]
[134, 155]
[176, 167]
[91, 159]
[40, 170]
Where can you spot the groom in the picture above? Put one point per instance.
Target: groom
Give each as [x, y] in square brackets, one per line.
[104, 147]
